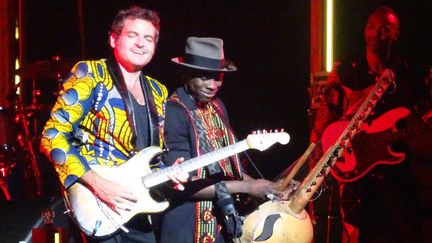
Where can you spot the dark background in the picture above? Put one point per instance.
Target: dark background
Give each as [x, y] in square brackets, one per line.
[267, 40]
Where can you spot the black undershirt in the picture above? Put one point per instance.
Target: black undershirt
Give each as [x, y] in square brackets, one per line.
[141, 123]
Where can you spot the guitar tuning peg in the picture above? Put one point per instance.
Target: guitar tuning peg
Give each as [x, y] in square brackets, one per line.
[279, 130]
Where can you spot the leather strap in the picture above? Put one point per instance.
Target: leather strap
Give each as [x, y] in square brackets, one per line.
[225, 202]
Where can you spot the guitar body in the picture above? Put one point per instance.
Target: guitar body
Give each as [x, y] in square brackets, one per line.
[275, 222]
[96, 218]
[370, 147]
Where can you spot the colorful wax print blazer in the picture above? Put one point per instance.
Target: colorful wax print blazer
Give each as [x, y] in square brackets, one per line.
[89, 122]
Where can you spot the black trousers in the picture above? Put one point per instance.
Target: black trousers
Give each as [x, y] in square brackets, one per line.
[388, 210]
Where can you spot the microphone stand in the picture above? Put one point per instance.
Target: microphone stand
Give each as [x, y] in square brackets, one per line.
[25, 140]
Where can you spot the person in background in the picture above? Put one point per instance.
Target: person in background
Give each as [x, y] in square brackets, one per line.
[107, 111]
[387, 207]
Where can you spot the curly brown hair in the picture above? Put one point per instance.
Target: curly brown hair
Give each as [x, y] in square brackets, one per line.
[135, 12]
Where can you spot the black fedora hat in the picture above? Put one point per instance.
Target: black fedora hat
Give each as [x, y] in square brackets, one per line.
[205, 53]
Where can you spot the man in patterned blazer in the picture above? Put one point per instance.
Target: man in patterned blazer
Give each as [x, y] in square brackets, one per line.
[107, 111]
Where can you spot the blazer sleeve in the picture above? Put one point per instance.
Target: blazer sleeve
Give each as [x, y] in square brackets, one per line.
[178, 134]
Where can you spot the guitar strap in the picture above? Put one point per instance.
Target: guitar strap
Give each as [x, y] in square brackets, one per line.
[231, 136]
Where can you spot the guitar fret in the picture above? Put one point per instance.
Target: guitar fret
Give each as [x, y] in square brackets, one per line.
[160, 176]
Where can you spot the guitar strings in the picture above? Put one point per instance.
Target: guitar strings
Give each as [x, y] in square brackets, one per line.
[304, 170]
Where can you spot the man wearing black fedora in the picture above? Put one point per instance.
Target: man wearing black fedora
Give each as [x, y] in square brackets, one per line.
[197, 123]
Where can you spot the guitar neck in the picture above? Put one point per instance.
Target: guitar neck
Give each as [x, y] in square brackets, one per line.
[161, 176]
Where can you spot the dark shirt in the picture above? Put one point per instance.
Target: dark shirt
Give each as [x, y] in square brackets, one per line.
[179, 222]
[142, 127]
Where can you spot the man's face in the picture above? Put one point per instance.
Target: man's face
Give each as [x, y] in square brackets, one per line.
[135, 46]
[204, 86]
[380, 31]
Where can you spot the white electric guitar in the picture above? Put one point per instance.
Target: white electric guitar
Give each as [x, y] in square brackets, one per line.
[97, 219]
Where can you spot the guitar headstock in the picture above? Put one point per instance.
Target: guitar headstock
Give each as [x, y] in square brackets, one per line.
[262, 140]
